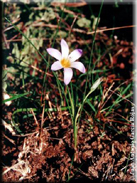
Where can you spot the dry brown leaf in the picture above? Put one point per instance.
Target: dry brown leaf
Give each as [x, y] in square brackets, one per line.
[93, 172]
[121, 161]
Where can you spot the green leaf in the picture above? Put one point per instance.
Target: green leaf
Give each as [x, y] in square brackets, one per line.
[90, 104]
[36, 110]
[83, 22]
[62, 34]
[15, 97]
[16, 50]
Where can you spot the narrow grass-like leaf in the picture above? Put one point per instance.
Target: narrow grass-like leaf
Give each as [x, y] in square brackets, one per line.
[89, 103]
[15, 97]
[91, 55]
[36, 110]
[93, 88]
[109, 108]
[120, 96]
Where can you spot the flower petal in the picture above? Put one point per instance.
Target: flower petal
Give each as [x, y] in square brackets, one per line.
[54, 53]
[68, 73]
[56, 66]
[64, 48]
[79, 66]
[74, 55]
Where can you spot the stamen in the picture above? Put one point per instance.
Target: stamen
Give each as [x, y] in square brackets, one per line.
[65, 62]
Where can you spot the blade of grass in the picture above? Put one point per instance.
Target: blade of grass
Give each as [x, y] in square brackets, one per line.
[119, 98]
[36, 110]
[91, 53]
[93, 88]
[70, 169]
[89, 103]
[76, 121]
[15, 97]
[110, 107]
[16, 126]
[60, 91]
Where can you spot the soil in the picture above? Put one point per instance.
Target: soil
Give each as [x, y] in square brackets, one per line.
[47, 155]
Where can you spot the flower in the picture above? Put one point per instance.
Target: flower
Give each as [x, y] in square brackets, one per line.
[66, 61]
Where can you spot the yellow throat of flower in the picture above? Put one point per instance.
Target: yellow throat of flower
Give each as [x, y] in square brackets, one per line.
[65, 62]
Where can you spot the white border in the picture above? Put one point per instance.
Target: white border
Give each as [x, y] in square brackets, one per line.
[70, 1]
[134, 40]
[135, 88]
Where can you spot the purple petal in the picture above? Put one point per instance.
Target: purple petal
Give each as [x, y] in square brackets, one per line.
[74, 55]
[64, 48]
[79, 66]
[54, 53]
[68, 73]
[56, 66]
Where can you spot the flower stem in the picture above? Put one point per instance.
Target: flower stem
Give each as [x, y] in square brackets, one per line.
[74, 121]
[75, 135]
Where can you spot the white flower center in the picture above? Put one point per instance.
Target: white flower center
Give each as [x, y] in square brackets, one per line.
[65, 62]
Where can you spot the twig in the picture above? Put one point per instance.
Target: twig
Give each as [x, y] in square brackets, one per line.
[5, 40]
[12, 141]
[109, 29]
[35, 118]
[74, 30]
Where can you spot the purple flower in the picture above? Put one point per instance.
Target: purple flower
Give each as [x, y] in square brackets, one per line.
[66, 61]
